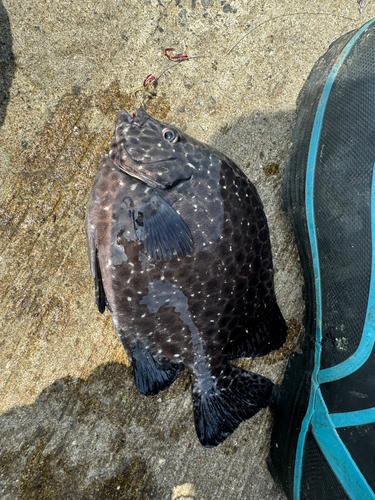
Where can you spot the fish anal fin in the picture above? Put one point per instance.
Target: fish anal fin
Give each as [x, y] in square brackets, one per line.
[151, 376]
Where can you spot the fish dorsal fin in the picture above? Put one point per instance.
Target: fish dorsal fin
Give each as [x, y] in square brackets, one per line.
[160, 228]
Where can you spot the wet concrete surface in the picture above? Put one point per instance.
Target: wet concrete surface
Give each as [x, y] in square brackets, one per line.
[72, 423]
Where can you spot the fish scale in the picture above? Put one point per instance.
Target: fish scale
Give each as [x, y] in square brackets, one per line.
[180, 253]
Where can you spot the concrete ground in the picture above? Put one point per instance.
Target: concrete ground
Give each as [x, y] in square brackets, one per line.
[72, 425]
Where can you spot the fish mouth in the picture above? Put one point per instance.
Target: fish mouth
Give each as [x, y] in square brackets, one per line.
[127, 162]
[139, 118]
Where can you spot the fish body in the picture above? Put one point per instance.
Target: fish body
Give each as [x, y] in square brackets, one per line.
[180, 253]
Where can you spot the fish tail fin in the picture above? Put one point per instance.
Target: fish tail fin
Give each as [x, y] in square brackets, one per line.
[237, 396]
[151, 376]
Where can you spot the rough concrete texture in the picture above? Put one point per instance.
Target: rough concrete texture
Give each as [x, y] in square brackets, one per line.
[73, 425]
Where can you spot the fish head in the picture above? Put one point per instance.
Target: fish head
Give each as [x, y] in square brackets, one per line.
[154, 152]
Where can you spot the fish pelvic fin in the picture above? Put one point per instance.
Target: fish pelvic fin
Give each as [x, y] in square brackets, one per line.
[237, 396]
[100, 297]
[151, 376]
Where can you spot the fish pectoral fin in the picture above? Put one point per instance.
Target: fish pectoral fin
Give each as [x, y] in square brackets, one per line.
[150, 375]
[263, 333]
[237, 396]
[163, 232]
[100, 298]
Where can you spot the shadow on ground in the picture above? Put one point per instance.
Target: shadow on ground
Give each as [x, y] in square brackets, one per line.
[7, 62]
[90, 439]
[99, 438]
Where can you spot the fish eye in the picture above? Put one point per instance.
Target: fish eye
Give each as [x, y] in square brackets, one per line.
[170, 135]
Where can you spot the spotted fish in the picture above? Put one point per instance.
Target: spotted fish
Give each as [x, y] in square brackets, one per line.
[180, 253]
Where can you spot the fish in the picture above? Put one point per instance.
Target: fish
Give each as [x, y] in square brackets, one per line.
[180, 253]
